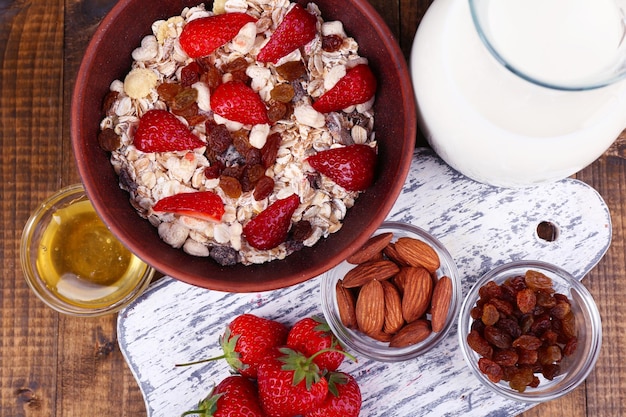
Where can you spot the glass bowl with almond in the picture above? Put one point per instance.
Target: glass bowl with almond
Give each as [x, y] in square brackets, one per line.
[530, 331]
[394, 298]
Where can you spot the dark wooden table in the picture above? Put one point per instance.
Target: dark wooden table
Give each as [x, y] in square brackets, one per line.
[53, 365]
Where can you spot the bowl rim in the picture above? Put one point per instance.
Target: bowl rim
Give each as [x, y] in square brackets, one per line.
[207, 281]
[532, 395]
[383, 353]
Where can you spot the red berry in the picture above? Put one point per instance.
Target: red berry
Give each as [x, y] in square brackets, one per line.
[202, 204]
[343, 399]
[202, 36]
[356, 87]
[247, 341]
[298, 28]
[236, 101]
[271, 226]
[235, 396]
[290, 384]
[352, 167]
[312, 334]
[161, 131]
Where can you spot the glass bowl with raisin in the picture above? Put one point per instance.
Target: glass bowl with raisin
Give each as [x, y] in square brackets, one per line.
[530, 331]
[396, 297]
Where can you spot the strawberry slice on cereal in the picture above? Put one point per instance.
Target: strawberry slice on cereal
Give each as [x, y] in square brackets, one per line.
[202, 36]
[237, 102]
[270, 227]
[356, 87]
[161, 131]
[298, 28]
[204, 205]
[352, 167]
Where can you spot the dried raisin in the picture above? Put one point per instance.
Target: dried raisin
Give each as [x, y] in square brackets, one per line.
[190, 74]
[282, 93]
[291, 70]
[331, 43]
[264, 188]
[526, 300]
[538, 281]
[497, 337]
[490, 315]
[269, 152]
[109, 140]
[491, 369]
[230, 186]
[479, 344]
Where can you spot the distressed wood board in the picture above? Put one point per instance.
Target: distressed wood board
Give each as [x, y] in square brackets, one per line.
[482, 227]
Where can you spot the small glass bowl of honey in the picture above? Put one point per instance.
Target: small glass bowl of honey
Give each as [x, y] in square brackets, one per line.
[73, 262]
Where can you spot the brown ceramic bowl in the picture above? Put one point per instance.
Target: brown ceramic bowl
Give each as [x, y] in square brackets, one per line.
[108, 57]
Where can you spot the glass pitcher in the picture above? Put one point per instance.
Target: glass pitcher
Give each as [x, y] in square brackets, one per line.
[516, 93]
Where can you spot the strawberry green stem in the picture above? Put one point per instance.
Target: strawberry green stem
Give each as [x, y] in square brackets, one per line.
[343, 352]
[202, 361]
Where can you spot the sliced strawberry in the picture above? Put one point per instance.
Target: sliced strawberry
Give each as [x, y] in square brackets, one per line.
[352, 167]
[356, 87]
[202, 36]
[236, 101]
[161, 131]
[298, 28]
[204, 205]
[271, 226]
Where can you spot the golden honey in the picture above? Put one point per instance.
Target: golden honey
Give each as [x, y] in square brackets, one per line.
[81, 261]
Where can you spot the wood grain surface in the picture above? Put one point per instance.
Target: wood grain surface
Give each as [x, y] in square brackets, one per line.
[57, 366]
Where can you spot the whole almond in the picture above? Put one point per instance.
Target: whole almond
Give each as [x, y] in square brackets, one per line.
[399, 280]
[440, 304]
[418, 287]
[390, 252]
[417, 253]
[346, 303]
[381, 336]
[371, 249]
[412, 333]
[370, 308]
[364, 273]
[393, 308]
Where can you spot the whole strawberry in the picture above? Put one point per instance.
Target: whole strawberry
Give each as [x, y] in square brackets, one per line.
[312, 334]
[270, 227]
[297, 28]
[248, 339]
[202, 36]
[235, 396]
[161, 131]
[343, 399]
[202, 204]
[236, 101]
[352, 167]
[290, 384]
[356, 87]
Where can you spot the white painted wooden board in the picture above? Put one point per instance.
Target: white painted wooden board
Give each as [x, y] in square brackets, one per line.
[481, 226]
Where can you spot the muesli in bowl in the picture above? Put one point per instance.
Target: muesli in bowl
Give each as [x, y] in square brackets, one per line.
[244, 132]
[108, 57]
